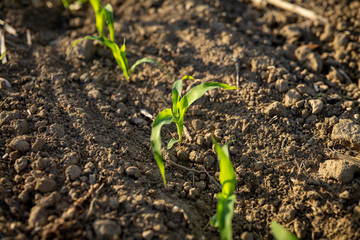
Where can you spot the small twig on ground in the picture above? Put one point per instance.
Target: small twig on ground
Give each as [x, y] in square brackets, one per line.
[8, 28]
[237, 67]
[291, 8]
[91, 208]
[195, 171]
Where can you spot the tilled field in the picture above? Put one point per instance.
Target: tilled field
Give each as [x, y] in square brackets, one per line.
[76, 160]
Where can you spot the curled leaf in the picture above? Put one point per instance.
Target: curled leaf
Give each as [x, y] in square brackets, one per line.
[164, 117]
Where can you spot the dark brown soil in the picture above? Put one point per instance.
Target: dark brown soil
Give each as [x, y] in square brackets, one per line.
[76, 161]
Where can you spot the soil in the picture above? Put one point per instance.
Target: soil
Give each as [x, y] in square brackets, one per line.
[76, 160]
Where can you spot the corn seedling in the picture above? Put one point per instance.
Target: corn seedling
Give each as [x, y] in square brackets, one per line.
[226, 199]
[105, 16]
[280, 233]
[2, 55]
[177, 114]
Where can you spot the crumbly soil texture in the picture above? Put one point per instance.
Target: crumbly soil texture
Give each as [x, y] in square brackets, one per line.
[75, 154]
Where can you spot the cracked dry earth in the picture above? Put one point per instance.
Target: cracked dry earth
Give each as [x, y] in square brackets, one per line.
[76, 161]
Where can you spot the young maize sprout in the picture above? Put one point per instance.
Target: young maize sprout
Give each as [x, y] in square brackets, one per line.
[280, 233]
[226, 199]
[105, 16]
[177, 114]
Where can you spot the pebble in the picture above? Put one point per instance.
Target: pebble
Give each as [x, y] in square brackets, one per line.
[287, 212]
[94, 93]
[19, 144]
[72, 159]
[196, 156]
[106, 229]
[57, 130]
[291, 97]
[346, 132]
[38, 216]
[197, 124]
[317, 105]
[84, 49]
[38, 144]
[345, 194]
[20, 164]
[24, 196]
[247, 236]
[72, 172]
[311, 120]
[338, 169]
[148, 234]
[133, 172]
[282, 85]
[340, 40]
[182, 155]
[275, 109]
[209, 161]
[45, 184]
[311, 60]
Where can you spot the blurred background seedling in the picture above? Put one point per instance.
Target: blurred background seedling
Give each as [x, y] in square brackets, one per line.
[104, 16]
[177, 114]
[226, 198]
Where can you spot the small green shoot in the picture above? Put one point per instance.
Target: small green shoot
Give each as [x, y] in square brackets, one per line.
[105, 16]
[226, 199]
[280, 233]
[177, 114]
[2, 55]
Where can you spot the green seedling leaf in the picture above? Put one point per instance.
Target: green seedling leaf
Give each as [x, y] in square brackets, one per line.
[227, 173]
[99, 16]
[66, 3]
[109, 17]
[2, 55]
[224, 215]
[190, 97]
[118, 53]
[280, 233]
[176, 115]
[164, 117]
[149, 60]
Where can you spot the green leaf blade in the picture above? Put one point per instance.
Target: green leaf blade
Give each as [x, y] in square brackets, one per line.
[280, 233]
[227, 173]
[164, 117]
[176, 96]
[198, 91]
[224, 215]
[149, 60]
[109, 17]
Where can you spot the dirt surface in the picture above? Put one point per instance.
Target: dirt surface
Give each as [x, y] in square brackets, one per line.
[76, 161]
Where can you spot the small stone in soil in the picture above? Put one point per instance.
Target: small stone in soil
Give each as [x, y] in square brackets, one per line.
[133, 172]
[38, 216]
[347, 133]
[20, 164]
[72, 172]
[106, 228]
[45, 185]
[317, 105]
[338, 169]
[19, 144]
